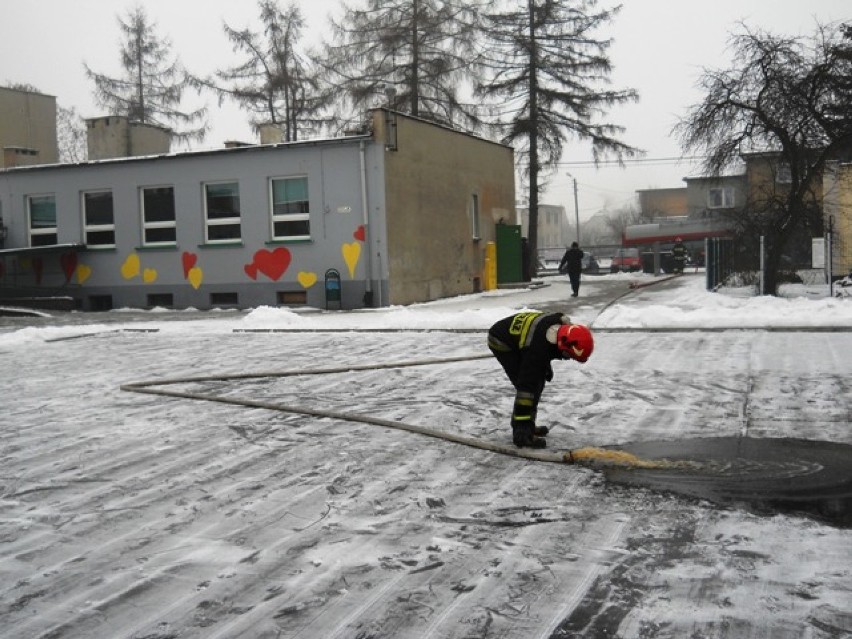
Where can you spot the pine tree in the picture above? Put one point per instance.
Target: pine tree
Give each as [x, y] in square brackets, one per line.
[549, 72]
[413, 56]
[275, 82]
[151, 87]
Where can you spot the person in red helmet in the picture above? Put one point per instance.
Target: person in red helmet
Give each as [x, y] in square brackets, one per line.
[525, 344]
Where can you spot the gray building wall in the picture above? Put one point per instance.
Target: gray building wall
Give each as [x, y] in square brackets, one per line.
[698, 189]
[403, 214]
[334, 182]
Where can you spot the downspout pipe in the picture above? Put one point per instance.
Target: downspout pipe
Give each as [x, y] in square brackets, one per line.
[368, 291]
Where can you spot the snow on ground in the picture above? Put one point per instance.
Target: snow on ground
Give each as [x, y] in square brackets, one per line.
[127, 515]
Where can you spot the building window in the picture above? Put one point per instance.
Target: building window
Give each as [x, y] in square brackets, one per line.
[474, 216]
[41, 210]
[720, 198]
[158, 216]
[98, 220]
[291, 218]
[783, 175]
[222, 211]
[292, 298]
[224, 299]
[99, 303]
[160, 300]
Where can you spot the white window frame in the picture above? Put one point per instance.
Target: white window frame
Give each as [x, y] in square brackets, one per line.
[721, 197]
[41, 231]
[212, 223]
[288, 217]
[474, 217]
[160, 224]
[97, 228]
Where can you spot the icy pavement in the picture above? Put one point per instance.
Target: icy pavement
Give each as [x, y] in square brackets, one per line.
[127, 515]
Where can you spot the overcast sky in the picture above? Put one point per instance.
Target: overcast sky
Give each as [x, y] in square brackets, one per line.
[660, 49]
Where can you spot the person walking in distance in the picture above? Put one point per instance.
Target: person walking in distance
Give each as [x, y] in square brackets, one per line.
[572, 263]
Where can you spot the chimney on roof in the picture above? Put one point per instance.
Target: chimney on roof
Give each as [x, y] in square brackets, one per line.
[115, 136]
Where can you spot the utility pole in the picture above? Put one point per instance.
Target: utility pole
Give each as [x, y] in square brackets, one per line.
[576, 207]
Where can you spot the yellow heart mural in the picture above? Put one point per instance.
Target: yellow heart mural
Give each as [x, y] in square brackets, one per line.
[130, 268]
[351, 253]
[149, 275]
[307, 279]
[83, 273]
[195, 276]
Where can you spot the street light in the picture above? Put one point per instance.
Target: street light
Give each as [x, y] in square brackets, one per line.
[576, 207]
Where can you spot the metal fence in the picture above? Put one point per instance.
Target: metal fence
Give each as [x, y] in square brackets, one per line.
[719, 260]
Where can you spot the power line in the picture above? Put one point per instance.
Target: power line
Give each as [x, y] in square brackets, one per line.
[648, 161]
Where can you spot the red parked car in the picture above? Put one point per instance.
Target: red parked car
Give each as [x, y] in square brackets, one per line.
[626, 259]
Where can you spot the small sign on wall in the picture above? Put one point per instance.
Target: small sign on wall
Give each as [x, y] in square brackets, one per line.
[344, 209]
[817, 252]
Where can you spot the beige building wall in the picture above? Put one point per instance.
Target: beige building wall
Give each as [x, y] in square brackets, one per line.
[837, 188]
[27, 128]
[115, 136]
[663, 202]
[435, 178]
[764, 174]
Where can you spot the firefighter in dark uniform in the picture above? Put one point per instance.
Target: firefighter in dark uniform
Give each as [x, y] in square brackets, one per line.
[525, 344]
[679, 253]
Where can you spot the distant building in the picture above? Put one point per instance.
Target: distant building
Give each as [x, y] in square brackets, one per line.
[656, 203]
[27, 128]
[554, 230]
[837, 202]
[401, 212]
[115, 136]
[714, 202]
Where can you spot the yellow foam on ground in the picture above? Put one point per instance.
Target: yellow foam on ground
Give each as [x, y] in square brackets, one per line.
[603, 456]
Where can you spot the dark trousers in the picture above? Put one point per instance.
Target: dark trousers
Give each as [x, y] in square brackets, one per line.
[575, 283]
[511, 363]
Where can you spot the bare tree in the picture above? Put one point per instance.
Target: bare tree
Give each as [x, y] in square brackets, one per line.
[71, 135]
[412, 55]
[549, 71]
[617, 220]
[787, 98]
[151, 88]
[275, 82]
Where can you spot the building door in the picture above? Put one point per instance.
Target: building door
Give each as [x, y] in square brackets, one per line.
[509, 254]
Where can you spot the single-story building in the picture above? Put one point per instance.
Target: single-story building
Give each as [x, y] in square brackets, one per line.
[401, 212]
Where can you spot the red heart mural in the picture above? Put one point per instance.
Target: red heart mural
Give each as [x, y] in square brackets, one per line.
[188, 259]
[360, 233]
[273, 264]
[69, 265]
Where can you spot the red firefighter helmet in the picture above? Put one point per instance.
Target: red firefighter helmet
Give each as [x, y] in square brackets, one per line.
[575, 341]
